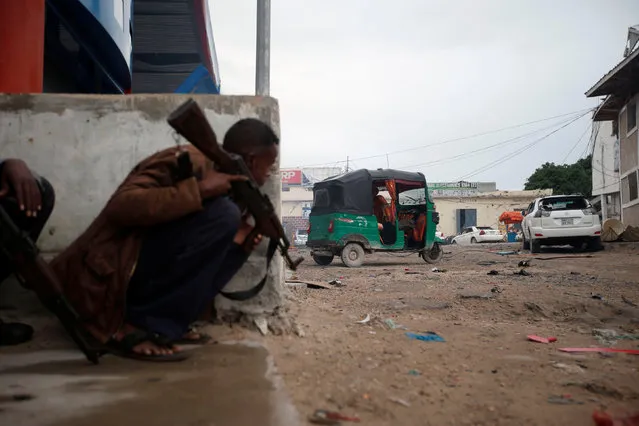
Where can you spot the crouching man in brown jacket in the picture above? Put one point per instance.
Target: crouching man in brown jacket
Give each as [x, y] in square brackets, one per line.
[162, 249]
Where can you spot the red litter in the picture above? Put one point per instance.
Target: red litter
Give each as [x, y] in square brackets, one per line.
[538, 339]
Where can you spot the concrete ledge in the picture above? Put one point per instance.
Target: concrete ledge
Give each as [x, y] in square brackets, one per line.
[86, 144]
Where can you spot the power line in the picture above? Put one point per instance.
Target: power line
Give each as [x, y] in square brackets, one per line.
[507, 141]
[517, 152]
[453, 140]
[578, 141]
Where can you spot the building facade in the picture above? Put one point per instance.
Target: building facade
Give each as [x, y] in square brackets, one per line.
[481, 208]
[605, 170]
[620, 86]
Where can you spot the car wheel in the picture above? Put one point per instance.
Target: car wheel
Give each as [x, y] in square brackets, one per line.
[524, 242]
[535, 246]
[434, 255]
[323, 260]
[594, 244]
[473, 240]
[353, 255]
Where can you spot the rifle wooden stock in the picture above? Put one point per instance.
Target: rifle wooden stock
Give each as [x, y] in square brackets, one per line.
[190, 122]
[35, 274]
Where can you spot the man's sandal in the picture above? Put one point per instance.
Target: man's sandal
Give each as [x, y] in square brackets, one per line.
[124, 348]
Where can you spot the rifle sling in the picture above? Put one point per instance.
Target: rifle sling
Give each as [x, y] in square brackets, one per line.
[243, 295]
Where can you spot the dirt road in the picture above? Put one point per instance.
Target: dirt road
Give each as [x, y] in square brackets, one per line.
[486, 372]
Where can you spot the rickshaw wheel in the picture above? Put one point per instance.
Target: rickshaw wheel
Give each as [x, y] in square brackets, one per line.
[434, 255]
[353, 255]
[323, 260]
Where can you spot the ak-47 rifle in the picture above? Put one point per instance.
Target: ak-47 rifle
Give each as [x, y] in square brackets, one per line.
[36, 275]
[189, 121]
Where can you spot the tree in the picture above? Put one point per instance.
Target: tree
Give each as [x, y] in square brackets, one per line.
[573, 178]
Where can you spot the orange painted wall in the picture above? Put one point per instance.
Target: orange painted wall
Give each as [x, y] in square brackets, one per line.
[21, 46]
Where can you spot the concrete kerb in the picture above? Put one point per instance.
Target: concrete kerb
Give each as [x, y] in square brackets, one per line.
[86, 144]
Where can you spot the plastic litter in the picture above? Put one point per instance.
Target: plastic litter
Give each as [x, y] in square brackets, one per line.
[604, 419]
[538, 339]
[325, 417]
[429, 336]
[438, 270]
[414, 372]
[399, 401]
[365, 320]
[601, 350]
[563, 400]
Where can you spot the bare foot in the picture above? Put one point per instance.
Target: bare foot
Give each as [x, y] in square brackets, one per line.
[146, 348]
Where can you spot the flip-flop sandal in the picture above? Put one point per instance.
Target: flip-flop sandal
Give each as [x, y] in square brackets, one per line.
[202, 340]
[124, 348]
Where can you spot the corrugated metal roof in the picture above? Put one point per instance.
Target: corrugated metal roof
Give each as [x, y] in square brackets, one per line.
[606, 85]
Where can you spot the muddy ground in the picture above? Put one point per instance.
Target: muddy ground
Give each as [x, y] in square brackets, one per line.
[486, 372]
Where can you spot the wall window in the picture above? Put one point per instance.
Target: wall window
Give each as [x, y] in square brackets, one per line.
[629, 188]
[631, 112]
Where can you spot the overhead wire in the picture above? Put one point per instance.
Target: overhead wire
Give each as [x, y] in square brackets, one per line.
[518, 151]
[578, 142]
[450, 140]
[487, 148]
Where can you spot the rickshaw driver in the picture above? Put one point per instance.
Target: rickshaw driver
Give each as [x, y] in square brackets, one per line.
[379, 208]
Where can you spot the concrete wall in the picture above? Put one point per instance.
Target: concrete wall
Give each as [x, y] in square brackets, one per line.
[85, 145]
[629, 145]
[605, 159]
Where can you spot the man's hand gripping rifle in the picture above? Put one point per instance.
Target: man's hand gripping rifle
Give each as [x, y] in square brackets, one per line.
[190, 122]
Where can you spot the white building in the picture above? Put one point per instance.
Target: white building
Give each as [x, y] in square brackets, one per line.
[605, 169]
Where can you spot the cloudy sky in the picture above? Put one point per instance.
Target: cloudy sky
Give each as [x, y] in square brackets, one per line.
[363, 78]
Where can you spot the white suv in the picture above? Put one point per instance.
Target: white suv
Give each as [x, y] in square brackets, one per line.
[559, 220]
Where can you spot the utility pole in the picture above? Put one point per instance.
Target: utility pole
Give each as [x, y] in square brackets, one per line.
[387, 162]
[347, 158]
[263, 48]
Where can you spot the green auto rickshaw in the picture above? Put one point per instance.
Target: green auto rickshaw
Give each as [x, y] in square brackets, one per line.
[349, 220]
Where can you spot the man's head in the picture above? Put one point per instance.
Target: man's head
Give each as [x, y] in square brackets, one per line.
[258, 145]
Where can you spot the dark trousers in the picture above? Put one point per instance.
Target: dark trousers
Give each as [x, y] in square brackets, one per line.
[32, 225]
[182, 266]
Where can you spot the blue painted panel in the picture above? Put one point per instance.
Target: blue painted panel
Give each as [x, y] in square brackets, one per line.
[103, 28]
[199, 82]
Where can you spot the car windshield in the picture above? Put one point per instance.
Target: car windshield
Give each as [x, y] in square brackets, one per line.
[564, 203]
[412, 197]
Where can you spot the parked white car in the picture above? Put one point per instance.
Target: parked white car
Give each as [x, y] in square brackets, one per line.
[478, 234]
[301, 237]
[561, 220]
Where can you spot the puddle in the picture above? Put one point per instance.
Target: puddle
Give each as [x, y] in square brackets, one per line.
[228, 384]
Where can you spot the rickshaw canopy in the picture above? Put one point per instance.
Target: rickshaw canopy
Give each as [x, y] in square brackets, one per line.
[352, 192]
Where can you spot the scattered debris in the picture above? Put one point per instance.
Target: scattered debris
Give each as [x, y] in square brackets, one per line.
[597, 388]
[474, 295]
[414, 372]
[524, 264]
[601, 350]
[336, 283]
[523, 273]
[628, 301]
[563, 400]
[597, 297]
[604, 419]
[569, 368]
[493, 272]
[399, 401]
[605, 336]
[261, 325]
[538, 339]
[507, 253]
[392, 325]
[496, 289]
[310, 284]
[429, 336]
[365, 320]
[324, 417]
[439, 270]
